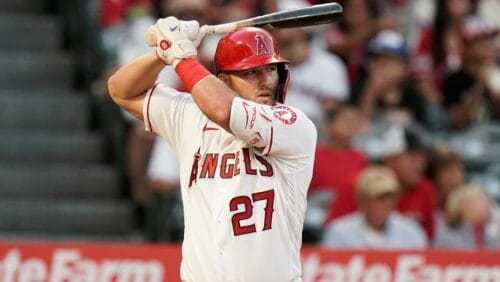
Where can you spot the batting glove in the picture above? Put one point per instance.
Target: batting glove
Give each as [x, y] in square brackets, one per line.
[192, 29]
[172, 43]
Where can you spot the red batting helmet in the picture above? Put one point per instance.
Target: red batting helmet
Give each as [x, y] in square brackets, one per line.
[251, 47]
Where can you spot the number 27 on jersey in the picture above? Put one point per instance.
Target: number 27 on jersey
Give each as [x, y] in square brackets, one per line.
[245, 206]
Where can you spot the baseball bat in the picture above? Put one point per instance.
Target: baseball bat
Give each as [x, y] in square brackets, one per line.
[307, 16]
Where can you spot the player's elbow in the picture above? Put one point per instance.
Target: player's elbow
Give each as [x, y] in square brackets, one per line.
[222, 117]
[116, 90]
[113, 87]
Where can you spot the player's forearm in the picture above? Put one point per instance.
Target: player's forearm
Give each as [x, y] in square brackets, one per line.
[135, 78]
[213, 97]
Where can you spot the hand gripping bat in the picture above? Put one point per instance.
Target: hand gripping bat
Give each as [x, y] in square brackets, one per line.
[307, 16]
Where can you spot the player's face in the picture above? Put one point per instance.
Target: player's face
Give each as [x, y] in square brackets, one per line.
[257, 84]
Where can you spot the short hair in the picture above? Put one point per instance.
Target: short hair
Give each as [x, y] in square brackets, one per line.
[442, 157]
[333, 112]
[456, 199]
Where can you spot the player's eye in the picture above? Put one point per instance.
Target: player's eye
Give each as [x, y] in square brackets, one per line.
[250, 72]
[272, 68]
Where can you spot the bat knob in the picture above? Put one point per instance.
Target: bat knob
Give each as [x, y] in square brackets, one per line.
[151, 37]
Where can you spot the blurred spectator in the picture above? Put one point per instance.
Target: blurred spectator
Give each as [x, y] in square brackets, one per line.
[114, 19]
[439, 47]
[386, 92]
[138, 149]
[140, 142]
[123, 24]
[199, 10]
[488, 10]
[403, 152]
[412, 16]
[472, 93]
[349, 38]
[233, 10]
[163, 168]
[320, 79]
[164, 209]
[471, 223]
[377, 225]
[337, 163]
[447, 171]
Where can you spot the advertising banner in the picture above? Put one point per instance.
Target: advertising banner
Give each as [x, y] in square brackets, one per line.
[71, 262]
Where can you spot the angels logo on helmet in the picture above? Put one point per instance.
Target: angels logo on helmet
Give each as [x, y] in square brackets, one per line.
[261, 46]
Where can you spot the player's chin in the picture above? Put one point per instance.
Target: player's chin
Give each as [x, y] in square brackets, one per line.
[265, 99]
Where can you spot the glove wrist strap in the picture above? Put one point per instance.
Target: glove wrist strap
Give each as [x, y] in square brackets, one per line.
[190, 72]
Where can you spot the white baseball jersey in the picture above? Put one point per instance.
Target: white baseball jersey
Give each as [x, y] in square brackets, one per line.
[244, 194]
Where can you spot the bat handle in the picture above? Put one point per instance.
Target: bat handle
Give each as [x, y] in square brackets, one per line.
[221, 28]
[211, 29]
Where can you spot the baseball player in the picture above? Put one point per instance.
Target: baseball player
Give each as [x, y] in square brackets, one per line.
[245, 158]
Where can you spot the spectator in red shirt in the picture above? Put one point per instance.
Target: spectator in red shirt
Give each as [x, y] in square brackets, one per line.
[113, 12]
[404, 152]
[337, 163]
[377, 224]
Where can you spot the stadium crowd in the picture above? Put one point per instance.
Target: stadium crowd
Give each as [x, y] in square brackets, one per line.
[406, 98]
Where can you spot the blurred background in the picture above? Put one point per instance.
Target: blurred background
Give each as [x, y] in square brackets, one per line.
[405, 94]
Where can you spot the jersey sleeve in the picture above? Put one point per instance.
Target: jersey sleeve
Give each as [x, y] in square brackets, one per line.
[164, 112]
[277, 130]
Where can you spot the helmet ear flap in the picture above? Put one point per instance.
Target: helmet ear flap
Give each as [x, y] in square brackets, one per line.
[284, 77]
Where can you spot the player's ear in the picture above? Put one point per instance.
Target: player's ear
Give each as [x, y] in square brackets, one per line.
[224, 77]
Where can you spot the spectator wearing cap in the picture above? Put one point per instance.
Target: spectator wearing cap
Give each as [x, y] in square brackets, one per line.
[404, 153]
[377, 225]
[337, 163]
[472, 221]
[472, 93]
[386, 92]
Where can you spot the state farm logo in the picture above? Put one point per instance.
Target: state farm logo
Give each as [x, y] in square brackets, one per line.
[406, 268]
[284, 113]
[68, 265]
